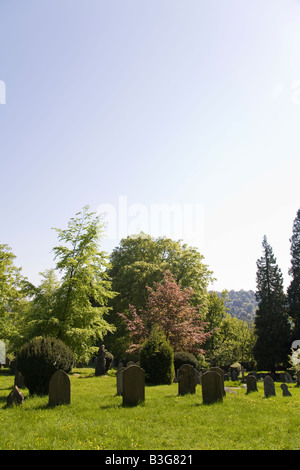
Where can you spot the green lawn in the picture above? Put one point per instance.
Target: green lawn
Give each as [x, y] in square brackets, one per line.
[96, 419]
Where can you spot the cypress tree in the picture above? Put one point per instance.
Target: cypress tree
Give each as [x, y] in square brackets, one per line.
[293, 292]
[271, 321]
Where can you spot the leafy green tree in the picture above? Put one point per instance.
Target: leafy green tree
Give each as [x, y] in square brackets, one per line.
[293, 292]
[140, 261]
[12, 299]
[74, 308]
[272, 326]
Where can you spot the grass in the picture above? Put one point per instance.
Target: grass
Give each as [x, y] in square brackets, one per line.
[96, 419]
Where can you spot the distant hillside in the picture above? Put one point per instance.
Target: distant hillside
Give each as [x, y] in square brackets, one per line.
[242, 304]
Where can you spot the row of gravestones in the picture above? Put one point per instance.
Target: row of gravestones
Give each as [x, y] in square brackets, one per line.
[131, 385]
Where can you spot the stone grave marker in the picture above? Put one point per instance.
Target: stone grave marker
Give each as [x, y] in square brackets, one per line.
[212, 389]
[251, 383]
[59, 389]
[15, 397]
[285, 390]
[269, 387]
[119, 376]
[19, 380]
[100, 368]
[186, 379]
[221, 373]
[133, 385]
[298, 378]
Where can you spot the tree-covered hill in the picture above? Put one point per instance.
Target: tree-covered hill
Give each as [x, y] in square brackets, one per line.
[241, 304]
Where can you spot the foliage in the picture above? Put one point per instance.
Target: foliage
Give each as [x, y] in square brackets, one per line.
[12, 299]
[241, 304]
[73, 309]
[294, 359]
[168, 307]
[271, 322]
[293, 292]
[139, 262]
[157, 359]
[182, 357]
[38, 359]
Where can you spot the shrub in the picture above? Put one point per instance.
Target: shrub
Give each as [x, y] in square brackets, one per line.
[109, 358]
[182, 357]
[157, 359]
[38, 359]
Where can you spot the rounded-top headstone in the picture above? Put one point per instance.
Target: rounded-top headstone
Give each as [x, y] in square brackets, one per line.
[59, 389]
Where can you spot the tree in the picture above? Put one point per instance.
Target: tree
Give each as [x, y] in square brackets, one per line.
[293, 291]
[73, 310]
[168, 307]
[11, 295]
[140, 261]
[272, 326]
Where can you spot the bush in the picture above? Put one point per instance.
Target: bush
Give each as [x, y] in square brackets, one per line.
[38, 359]
[182, 357]
[109, 359]
[157, 359]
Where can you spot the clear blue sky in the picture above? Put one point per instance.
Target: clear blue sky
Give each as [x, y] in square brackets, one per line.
[194, 103]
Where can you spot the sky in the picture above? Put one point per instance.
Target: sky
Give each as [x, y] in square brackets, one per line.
[176, 118]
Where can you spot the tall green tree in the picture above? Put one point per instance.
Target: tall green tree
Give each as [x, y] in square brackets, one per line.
[272, 325]
[74, 308]
[139, 262]
[293, 291]
[12, 299]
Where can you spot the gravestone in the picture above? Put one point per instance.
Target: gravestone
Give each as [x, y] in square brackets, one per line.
[251, 383]
[212, 389]
[100, 368]
[119, 376]
[221, 373]
[15, 397]
[59, 389]
[19, 380]
[133, 385]
[285, 391]
[269, 387]
[186, 379]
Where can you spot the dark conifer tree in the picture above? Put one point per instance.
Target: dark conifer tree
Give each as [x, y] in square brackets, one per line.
[293, 292]
[271, 321]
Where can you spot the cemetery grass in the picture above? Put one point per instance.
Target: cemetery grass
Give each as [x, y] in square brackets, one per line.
[96, 419]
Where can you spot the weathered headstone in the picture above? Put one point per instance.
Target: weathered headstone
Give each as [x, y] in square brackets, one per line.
[186, 379]
[221, 373]
[15, 397]
[298, 378]
[269, 387]
[133, 385]
[285, 390]
[119, 376]
[212, 389]
[251, 383]
[19, 380]
[59, 389]
[100, 368]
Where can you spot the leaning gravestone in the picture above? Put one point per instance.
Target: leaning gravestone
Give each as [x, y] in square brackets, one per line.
[59, 389]
[251, 383]
[133, 385]
[212, 389]
[15, 397]
[221, 373]
[186, 379]
[269, 387]
[285, 391]
[119, 376]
